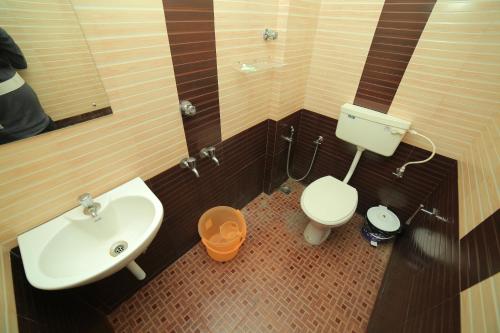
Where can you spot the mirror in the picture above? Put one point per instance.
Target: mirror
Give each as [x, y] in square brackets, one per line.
[48, 78]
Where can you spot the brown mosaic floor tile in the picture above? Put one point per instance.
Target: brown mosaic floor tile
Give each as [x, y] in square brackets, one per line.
[277, 283]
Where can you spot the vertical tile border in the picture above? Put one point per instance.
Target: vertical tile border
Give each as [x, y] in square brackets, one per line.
[191, 34]
[399, 28]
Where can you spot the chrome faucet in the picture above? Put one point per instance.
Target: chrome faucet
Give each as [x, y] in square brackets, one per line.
[190, 163]
[89, 206]
[210, 153]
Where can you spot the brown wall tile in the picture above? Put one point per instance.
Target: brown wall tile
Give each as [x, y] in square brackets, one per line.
[398, 30]
[191, 34]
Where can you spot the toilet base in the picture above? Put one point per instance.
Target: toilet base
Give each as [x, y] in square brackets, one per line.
[315, 233]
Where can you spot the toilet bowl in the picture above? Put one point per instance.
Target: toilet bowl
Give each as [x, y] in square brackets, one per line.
[329, 203]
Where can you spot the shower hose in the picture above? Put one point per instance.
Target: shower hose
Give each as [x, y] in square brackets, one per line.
[317, 142]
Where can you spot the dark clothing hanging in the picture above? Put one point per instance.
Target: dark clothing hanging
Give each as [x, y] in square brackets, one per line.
[21, 114]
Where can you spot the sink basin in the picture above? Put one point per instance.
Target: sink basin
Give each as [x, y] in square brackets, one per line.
[75, 249]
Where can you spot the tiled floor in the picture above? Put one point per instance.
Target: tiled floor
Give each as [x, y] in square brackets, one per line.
[277, 283]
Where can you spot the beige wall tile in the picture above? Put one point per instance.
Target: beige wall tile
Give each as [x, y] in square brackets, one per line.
[479, 307]
[344, 33]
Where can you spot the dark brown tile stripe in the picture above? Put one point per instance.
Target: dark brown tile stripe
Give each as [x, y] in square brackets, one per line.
[480, 252]
[191, 33]
[399, 28]
[83, 117]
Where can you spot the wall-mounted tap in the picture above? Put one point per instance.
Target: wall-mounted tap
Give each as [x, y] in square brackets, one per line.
[190, 163]
[210, 153]
[90, 207]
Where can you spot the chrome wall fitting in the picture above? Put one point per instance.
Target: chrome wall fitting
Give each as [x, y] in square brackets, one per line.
[270, 34]
[187, 108]
[210, 153]
[190, 163]
[399, 172]
[434, 212]
[289, 138]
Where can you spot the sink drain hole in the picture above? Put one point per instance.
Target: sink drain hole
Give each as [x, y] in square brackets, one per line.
[118, 248]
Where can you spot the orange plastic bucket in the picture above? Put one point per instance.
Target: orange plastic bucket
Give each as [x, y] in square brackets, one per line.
[222, 230]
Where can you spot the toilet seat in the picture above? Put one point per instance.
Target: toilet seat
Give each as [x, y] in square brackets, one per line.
[329, 201]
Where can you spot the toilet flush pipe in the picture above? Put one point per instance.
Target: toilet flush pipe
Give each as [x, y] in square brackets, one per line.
[353, 164]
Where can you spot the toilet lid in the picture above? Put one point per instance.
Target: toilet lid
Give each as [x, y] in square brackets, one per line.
[329, 201]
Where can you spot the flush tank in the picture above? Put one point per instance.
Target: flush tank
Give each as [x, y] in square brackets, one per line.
[372, 130]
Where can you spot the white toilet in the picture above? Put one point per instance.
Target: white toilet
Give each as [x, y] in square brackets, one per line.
[329, 202]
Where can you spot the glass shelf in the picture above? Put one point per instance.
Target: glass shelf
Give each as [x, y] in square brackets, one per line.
[257, 65]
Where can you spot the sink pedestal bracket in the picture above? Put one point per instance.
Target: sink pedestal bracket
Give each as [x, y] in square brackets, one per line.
[136, 270]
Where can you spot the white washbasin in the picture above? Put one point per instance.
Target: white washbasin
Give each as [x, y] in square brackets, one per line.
[74, 249]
